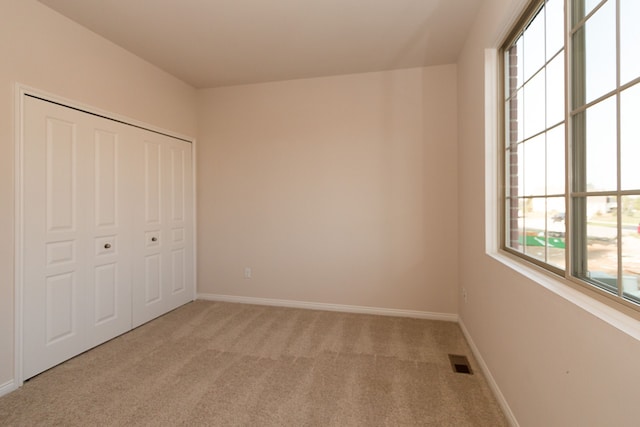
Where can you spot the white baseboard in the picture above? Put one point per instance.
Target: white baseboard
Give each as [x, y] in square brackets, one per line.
[7, 387]
[511, 418]
[448, 317]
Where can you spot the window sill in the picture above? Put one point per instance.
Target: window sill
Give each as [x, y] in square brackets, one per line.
[562, 288]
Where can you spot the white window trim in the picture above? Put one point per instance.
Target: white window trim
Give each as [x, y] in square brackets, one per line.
[557, 285]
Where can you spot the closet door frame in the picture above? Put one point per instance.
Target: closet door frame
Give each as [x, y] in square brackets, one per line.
[21, 91]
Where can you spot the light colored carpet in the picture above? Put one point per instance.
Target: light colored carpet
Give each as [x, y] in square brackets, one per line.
[211, 363]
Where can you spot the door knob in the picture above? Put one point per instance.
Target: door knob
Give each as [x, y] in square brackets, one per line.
[154, 239]
[107, 245]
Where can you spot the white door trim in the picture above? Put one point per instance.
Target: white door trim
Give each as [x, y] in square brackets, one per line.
[20, 91]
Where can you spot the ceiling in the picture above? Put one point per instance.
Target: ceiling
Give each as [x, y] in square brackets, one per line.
[211, 43]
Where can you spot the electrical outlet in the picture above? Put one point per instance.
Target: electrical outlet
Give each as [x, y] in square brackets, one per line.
[247, 273]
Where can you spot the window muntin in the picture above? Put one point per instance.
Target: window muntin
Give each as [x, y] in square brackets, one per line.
[601, 213]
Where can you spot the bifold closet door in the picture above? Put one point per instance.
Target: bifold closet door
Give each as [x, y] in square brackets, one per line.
[163, 276]
[108, 230]
[77, 253]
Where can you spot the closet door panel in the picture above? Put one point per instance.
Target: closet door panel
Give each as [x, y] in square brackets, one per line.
[163, 277]
[179, 223]
[153, 167]
[153, 279]
[178, 183]
[149, 293]
[54, 272]
[61, 298]
[178, 268]
[109, 229]
[106, 293]
[61, 175]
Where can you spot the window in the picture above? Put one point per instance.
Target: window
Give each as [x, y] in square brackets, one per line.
[571, 142]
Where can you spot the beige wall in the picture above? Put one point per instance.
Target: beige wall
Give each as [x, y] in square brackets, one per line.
[334, 190]
[44, 50]
[556, 364]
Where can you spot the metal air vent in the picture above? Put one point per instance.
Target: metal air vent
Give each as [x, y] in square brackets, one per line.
[460, 364]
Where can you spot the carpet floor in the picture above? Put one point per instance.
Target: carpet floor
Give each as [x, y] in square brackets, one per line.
[213, 363]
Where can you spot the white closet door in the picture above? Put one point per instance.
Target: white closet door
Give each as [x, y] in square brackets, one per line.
[179, 250]
[110, 258]
[108, 230]
[163, 263]
[77, 259]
